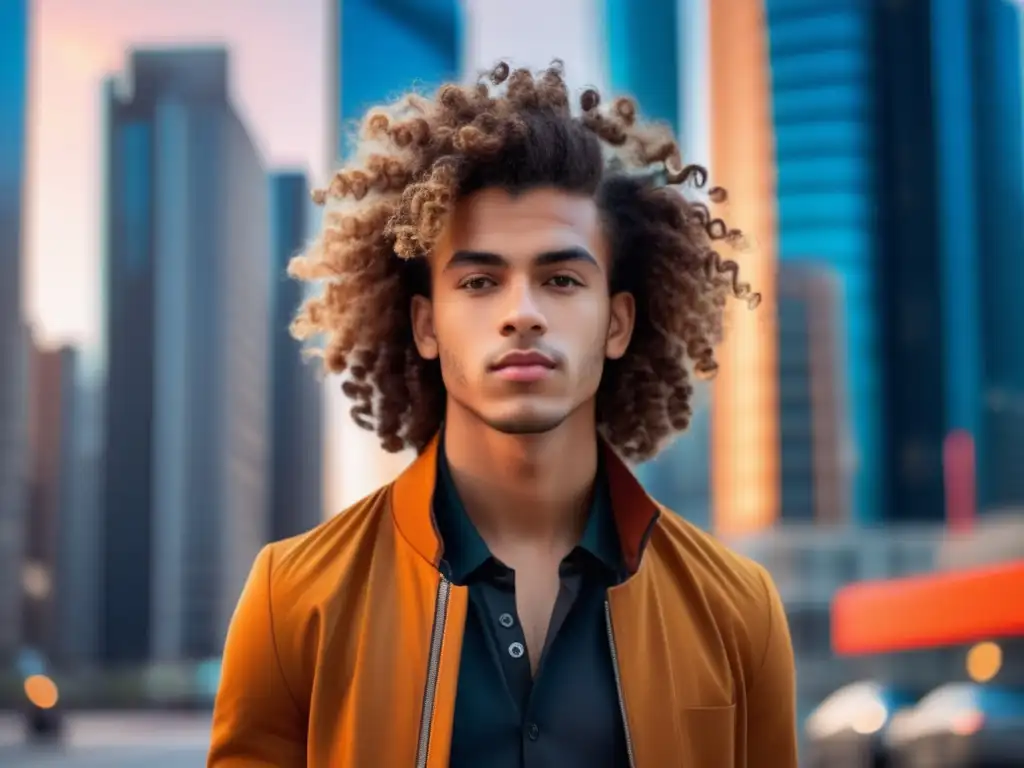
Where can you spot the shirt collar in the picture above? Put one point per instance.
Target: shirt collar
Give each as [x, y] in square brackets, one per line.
[465, 550]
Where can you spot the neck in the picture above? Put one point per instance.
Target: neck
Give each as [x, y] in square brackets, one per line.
[530, 489]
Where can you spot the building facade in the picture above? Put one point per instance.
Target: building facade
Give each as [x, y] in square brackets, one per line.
[78, 570]
[898, 151]
[44, 497]
[54, 418]
[997, 69]
[296, 418]
[825, 118]
[184, 502]
[14, 343]
[815, 486]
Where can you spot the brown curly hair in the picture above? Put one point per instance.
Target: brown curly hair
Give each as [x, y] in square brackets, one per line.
[516, 130]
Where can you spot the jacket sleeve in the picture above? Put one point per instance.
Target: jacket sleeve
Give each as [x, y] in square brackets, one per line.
[257, 721]
[771, 720]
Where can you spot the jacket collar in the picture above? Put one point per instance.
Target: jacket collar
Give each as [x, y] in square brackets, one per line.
[413, 491]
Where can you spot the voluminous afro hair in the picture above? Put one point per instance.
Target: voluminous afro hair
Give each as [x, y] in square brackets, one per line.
[516, 130]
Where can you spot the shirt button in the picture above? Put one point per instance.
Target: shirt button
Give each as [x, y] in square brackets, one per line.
[516, 650]
[506, 620]
[532, 731]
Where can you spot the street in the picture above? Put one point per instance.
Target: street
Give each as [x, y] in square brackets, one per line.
[112, 740]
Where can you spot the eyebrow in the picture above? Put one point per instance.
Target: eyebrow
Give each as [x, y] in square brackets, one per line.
[487, 259]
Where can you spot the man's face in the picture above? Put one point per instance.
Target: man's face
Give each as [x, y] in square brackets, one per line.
[520, 313]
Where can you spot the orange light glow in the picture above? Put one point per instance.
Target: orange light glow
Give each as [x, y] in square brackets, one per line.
[984, 661]
[41, 691]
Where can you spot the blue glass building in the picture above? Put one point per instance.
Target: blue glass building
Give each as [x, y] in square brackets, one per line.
[898, 134]
[186, 316]
[296, 502]
[13, 336]
[642, 39]
[825, 113]
[381, 48]
[999, 200]
[128, 319]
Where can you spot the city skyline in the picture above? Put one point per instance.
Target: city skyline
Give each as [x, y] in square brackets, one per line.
[73, 47]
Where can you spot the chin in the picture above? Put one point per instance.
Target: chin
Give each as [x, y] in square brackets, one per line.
[527, 421]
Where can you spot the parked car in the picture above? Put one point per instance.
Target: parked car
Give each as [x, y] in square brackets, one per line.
[847, 729]
[961, 725]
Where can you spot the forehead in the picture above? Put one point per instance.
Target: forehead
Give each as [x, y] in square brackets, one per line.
[523, 225]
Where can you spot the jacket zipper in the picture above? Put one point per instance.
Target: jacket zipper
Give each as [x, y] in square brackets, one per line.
[444, 589]
[618, 684]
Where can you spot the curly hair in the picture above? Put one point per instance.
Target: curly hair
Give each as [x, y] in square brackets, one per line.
[515, 130]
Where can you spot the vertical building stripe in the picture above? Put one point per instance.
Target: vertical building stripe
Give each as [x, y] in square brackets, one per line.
[745, 442]
[999, 201]
[952, 86]
[642, 54]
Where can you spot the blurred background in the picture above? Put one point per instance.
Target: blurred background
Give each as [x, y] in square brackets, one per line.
[864, 439]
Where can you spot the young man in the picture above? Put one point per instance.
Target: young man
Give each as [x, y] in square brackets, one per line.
[521, 295]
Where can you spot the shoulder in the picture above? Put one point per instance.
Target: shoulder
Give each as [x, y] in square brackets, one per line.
[726, 572]
[308, 569]
[738, 592]
[294, 587]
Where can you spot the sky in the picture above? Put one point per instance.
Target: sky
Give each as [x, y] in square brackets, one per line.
[278, 79]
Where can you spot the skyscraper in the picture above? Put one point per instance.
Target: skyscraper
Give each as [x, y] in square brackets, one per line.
[814, 483]
[53, 439]
[997, 73]
[367, 36]
[184, 497]
[898, 150]
[78, 571]
[645, 54]
[296, 431]
[825, 114]
[13, 334]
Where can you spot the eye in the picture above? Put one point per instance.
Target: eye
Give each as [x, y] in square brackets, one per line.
[564, 282]
[476, 283]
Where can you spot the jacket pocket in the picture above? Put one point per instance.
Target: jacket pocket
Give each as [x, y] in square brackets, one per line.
[708, 737]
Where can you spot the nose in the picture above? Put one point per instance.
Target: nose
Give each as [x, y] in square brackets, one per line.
[523, 315]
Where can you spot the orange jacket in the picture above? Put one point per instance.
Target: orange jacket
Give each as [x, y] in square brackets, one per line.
[344, 649]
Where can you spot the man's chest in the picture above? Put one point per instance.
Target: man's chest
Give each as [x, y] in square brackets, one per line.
[566, 710]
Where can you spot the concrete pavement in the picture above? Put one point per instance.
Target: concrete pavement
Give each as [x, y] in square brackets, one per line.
[112, 740]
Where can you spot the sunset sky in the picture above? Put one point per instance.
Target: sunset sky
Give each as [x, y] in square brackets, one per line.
[278, 80]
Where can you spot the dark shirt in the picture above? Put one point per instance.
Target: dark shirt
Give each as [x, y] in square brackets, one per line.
[568, 715]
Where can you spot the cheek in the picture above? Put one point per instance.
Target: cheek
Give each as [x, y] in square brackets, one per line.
[455, 343]
[593, 366]
[590, 324]
[453, 372]
[590, 332]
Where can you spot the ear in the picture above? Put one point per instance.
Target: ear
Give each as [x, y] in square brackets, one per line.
[621, 321]
[422, 312]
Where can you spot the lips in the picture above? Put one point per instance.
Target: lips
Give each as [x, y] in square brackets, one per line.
[524, 366]
[523, 360]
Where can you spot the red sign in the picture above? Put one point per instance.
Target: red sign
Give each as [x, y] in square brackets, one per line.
[958, 468]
